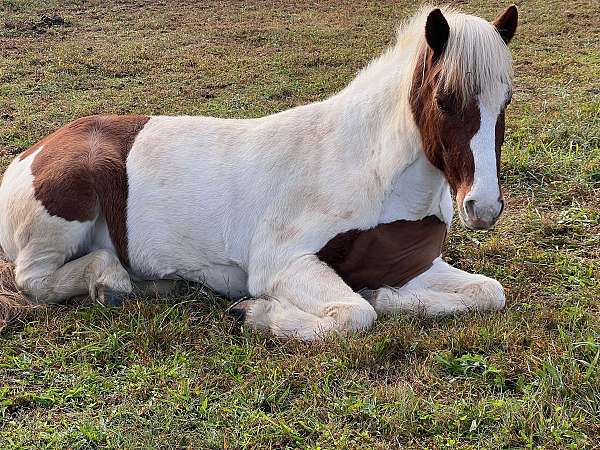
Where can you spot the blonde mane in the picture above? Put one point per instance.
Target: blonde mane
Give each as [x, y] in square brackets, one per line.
[475, 57]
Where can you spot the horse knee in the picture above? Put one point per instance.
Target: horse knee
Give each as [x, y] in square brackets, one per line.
[352, 316]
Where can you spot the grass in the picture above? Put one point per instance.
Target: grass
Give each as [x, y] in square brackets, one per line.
[177, 372]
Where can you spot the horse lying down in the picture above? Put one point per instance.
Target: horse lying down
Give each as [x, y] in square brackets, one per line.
[320, 217]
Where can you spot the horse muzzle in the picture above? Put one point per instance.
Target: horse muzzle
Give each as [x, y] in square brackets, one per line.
[480, 214]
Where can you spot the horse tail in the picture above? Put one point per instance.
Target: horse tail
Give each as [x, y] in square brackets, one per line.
[14, 305]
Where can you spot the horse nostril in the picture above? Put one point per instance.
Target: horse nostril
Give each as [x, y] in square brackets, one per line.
[470, 208]
[501, 206]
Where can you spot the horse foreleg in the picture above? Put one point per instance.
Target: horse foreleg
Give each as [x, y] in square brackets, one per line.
[280, 317]
[306, 300]
[442, 290]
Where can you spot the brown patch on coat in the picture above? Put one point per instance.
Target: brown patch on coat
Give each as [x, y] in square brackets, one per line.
[390, 254]
[446, 126]
[80, 172]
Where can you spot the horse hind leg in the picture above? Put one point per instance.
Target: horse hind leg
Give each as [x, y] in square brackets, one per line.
[48, 280]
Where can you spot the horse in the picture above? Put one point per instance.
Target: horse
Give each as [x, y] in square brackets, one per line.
[313, 220]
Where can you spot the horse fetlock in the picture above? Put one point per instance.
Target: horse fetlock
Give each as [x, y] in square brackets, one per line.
[112, 286]
[390, 300]
[250, 311]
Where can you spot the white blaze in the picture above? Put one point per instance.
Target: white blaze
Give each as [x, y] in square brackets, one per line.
[485, 191]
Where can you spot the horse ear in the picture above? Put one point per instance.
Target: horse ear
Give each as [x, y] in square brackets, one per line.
[437, 31]
[506, 23]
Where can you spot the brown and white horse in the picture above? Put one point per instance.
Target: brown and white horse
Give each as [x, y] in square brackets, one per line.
[325, 215]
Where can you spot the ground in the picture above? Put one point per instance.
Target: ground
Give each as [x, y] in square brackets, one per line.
[178, 372]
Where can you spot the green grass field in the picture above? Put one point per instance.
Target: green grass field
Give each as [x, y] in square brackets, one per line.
[177, 372]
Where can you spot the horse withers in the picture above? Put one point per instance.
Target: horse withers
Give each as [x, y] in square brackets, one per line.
[325, 215]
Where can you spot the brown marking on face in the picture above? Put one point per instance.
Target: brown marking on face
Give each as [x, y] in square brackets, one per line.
[390, 254]
[81, 172]
[500, 130]
[446, 126]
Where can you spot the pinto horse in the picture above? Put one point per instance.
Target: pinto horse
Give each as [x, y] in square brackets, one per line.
[318, 218]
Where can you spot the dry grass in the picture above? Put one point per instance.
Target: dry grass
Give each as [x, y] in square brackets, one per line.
[14, 305]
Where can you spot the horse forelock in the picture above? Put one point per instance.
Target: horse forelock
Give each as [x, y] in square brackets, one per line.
[475, 60]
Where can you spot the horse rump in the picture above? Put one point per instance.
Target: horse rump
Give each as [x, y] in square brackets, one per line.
[14, 305]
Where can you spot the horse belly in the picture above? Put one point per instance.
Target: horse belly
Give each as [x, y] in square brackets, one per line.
[167, 246]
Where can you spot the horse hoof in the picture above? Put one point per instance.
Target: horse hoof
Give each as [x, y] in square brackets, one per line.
[110, 297]
[238, 309]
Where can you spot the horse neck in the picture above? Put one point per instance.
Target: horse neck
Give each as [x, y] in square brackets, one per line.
[377, 126]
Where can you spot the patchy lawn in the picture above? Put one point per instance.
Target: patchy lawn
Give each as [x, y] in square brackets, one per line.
[176, 373]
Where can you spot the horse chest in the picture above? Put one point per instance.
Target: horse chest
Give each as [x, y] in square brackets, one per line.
[419, 191]
[390, 254]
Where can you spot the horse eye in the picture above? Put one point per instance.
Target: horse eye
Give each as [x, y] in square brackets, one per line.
[443, 105]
